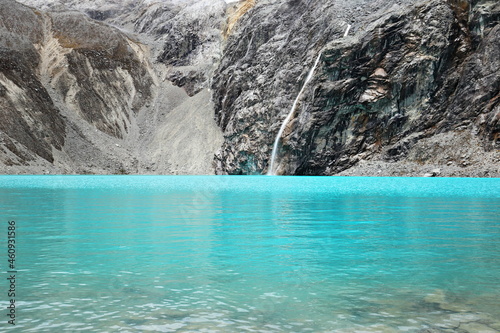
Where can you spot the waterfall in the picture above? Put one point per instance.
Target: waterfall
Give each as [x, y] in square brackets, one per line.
[347, 30]
[270, 171]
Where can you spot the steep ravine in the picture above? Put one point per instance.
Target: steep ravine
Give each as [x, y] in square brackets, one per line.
[402, 88]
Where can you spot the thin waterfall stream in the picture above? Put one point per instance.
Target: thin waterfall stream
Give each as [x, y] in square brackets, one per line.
[271, 171]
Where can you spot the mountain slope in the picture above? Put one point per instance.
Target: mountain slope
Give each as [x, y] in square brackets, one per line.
[80, 96]
[190, 87]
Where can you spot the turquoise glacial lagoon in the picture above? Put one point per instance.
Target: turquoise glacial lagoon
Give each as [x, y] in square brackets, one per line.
[252, 254]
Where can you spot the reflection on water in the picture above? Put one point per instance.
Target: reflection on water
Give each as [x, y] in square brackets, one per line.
[256, 254]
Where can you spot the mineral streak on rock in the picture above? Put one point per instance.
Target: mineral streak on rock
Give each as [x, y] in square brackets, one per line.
[236, 14]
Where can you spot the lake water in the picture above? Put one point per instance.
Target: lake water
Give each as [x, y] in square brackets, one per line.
[252, 254]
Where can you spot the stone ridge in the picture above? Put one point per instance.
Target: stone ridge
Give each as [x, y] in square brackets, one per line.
[99, 56]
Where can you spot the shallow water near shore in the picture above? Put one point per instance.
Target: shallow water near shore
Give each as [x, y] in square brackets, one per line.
[252, 253]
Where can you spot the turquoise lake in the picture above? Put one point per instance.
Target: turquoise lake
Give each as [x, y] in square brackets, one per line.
[252, 254]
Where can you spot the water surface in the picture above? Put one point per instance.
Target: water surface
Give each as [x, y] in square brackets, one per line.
[253, 254]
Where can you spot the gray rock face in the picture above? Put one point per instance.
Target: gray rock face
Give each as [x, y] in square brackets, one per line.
[407, 73]
[265, 60]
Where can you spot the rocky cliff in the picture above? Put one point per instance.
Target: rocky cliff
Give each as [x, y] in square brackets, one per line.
[400, 87]
[411, 86]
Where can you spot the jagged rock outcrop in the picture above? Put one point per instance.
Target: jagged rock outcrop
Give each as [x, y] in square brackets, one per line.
[407, 73]
[97, 70]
